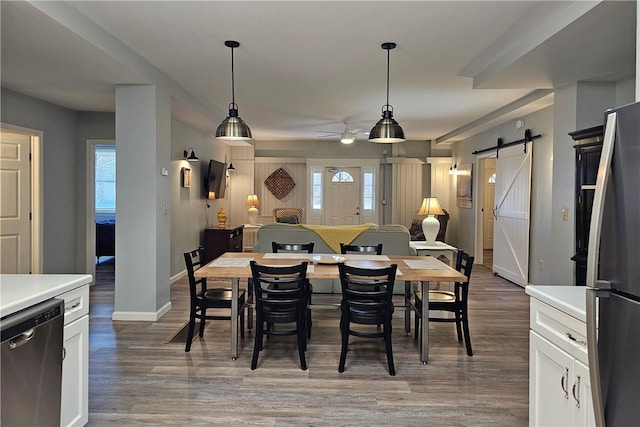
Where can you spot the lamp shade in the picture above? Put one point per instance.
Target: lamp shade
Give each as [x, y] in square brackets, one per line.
[252, 200]
[430, 206]
[233, 128]
[387, 130]
[211, 195]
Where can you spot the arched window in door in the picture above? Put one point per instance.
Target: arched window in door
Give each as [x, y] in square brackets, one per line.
[342, 177]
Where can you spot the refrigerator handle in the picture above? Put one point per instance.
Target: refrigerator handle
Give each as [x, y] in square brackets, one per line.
[593, 255]
[592, 353]
[595, 228]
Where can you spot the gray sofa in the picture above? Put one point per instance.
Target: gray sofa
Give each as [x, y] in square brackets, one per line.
[394, 238]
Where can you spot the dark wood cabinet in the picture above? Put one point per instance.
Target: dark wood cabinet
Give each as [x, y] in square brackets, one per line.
[220, 240]
[588, 146]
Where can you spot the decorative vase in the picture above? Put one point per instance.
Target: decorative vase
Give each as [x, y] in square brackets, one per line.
[222, 218]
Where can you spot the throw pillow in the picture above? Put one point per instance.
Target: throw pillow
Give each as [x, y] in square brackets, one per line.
[288, 220]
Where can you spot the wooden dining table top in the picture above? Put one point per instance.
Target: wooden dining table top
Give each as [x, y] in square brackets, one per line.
[411, 268]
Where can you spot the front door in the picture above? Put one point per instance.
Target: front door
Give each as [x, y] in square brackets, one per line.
[342, 193]
[15, 206]
[511, 212]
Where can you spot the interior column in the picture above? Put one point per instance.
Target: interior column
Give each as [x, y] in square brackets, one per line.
[143, 135]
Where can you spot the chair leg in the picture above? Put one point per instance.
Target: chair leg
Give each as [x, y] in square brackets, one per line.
[387, 341]
[249, 303]
[203, 314]
[308, 323]
[344, 329]
[459, 325]
[257, 346]
[416, 325]
[467, 336]
[302, 344]
[241, 315]
[192, 326]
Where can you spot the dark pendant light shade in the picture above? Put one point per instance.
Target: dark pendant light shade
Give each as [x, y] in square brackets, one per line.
[233, 128]
[387, 130]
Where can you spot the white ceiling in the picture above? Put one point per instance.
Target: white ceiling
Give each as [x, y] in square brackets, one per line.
[303, 66]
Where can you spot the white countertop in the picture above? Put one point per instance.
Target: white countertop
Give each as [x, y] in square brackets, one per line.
[19, 291]
[568, 299]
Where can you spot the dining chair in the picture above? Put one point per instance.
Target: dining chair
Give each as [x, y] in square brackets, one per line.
[203, 298]
[455, 301]
[297, 247]
[345, 249]
[366, 301]
[282, 304]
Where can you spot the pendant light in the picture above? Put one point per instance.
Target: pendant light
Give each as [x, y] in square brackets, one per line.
[387, 129]
[233, 128]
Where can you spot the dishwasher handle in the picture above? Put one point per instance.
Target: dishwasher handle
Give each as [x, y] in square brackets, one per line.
[20, 340]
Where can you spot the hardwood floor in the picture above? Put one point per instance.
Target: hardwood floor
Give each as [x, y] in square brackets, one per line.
[138, 377]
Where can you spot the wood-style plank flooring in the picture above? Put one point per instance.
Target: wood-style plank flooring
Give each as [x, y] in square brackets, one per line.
[137, 377]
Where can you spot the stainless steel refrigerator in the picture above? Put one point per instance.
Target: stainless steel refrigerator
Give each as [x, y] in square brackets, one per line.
[613, 274]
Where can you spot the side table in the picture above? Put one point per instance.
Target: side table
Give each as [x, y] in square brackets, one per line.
[250, 236]
[436, 251]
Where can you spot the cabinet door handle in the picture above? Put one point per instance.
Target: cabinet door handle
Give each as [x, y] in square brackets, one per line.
[565, 378]
[75, 305]
[576, 388]
[572, 338]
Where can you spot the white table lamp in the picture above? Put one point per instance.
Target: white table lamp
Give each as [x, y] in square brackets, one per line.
[252, 202]
[430, 225]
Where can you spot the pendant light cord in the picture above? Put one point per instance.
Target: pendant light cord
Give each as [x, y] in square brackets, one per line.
[387, 105]
[233, 83]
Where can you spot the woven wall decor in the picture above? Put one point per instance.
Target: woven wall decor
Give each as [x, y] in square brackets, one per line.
[280, 183]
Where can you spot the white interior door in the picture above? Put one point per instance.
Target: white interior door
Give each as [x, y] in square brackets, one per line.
[511, 212]
[15, 206]
[342, 195]
[489, 200]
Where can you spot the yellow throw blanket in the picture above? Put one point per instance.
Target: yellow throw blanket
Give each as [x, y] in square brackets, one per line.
[334, 234]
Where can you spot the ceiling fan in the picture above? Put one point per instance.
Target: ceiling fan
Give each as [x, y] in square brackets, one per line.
[347, 136]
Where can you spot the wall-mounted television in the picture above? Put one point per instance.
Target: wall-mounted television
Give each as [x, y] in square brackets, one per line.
[216, 179]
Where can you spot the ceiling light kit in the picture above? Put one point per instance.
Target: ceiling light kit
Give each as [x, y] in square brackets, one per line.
[387, 130]
[233, 128]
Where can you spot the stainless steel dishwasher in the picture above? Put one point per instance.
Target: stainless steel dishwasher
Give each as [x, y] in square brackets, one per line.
[31, 367]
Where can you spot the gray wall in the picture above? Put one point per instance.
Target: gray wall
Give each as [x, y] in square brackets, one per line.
[462, 232]
[189, 214]
[576, 106]
[60, 181]
[65, 133]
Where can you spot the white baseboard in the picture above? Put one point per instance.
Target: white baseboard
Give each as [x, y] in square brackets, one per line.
[141, 315]
[178, 276]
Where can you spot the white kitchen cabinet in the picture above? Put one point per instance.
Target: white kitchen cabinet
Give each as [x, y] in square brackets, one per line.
[20, 291]
[559, 386]
[75, 365]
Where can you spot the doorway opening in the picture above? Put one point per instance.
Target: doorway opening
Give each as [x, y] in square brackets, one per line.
[484, 218]
[489, 181]
[100, 208]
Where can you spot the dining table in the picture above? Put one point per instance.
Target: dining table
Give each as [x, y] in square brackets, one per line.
[411, 269]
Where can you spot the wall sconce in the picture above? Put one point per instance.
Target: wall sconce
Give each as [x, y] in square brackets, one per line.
[190, 155]
[453, 169]
[231, 168]
[210, 196]
[252, 202]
